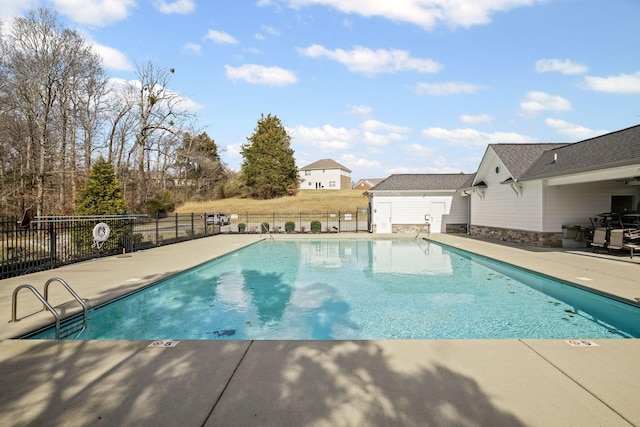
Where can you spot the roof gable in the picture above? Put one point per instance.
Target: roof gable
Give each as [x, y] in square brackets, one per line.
[325, 164]
[518, 158]
[424, 182]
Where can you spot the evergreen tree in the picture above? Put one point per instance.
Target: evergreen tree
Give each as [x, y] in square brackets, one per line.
[269, 169]
[102, 194]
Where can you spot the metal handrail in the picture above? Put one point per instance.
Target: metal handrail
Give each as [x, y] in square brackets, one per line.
[72, 292]
[426, 224]
[14, 305]
[264, 227]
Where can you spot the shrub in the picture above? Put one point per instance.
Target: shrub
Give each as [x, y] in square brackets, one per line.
[316, 226]
[241, 227]
[289, 226]
[264, 227]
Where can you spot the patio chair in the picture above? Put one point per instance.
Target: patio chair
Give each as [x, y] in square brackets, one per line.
[599, 238]
[616, 239]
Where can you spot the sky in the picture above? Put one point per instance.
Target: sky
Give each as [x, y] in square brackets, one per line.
[380, 86]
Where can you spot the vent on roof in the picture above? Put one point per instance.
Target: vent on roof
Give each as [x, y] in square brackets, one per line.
[555, 157]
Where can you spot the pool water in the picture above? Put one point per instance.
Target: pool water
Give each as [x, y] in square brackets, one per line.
[359, 289]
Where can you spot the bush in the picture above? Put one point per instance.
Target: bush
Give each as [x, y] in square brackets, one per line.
[316, 226]
[289, 226]
[241, 227]
[160, 204]
[264, 227]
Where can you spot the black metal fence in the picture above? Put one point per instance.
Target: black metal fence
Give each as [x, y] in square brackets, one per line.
[51, 242]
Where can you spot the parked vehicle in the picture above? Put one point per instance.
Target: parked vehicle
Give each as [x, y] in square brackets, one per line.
[217, 218]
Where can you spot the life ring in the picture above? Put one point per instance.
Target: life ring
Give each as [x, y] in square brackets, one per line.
[101, 232]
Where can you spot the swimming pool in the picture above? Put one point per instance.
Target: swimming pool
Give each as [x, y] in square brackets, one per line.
[359, 289]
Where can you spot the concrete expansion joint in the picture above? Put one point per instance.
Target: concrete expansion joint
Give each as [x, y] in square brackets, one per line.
[213, 408]
[576, 382]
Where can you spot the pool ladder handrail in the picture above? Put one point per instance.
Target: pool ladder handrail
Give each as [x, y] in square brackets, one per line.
[45, 302]
[426, 224]
[265, 228]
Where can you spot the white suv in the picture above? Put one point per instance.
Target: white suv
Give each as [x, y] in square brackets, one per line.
[217, 218]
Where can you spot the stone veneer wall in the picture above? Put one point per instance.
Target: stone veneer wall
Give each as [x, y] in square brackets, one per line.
[532, 238]
[413, 229]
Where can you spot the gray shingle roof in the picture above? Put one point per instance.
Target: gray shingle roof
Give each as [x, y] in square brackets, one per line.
[618, 148]
[325, 164]
[519, 157]
[425, 182]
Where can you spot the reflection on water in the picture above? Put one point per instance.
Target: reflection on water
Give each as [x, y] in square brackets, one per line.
[359, 289]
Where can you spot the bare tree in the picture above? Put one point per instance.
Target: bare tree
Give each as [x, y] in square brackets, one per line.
[47, 68]
[159, 113]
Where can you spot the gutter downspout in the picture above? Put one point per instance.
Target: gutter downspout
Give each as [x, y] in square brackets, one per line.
[468, 212]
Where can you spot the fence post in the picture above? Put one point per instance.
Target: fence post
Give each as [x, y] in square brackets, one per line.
[193, 229]
[176, 225]
[339, 221]
[52, 242]
[157, 231]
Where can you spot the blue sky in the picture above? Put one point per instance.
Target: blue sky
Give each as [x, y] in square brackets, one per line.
[381, 86]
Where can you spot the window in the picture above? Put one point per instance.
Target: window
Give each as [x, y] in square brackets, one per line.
[307, 173]
[332, 184]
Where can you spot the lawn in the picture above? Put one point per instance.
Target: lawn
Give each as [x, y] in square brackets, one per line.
[306, 201]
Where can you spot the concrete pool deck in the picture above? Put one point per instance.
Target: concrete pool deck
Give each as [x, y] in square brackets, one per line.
[320, 383]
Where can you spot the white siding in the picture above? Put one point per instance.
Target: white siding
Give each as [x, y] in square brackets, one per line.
[501, 206]
[322, 177]
[539, 208]
[410, 210]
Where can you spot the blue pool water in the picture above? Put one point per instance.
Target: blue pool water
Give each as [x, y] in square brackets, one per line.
[359, 289]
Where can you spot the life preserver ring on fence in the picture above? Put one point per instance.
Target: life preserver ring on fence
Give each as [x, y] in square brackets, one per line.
[100, 233]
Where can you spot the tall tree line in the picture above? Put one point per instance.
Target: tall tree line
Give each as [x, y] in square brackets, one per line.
[59, 110]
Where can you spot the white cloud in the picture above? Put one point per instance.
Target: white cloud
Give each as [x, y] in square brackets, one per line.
[424, 13]
[182, 7]
[272, 31]
[536, 102]
[475, 120]
[448, 88]
[623, 83]
[564, 66]
[572, 130]
[220, 37]
[471, 138]
[266, 29]
[261, 75]
[363, 111]
[192, 48]
[327, 137]
[98, 13]
[418, 150]
[113, 58]
[12, 8]
[359, 163]
[377, 126]
[370, 62]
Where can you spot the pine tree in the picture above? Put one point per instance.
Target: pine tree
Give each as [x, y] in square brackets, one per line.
[102, 194]
[269, 169]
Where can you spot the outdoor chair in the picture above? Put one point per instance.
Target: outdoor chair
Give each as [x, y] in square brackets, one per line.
[599, 238]
[616, 239]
